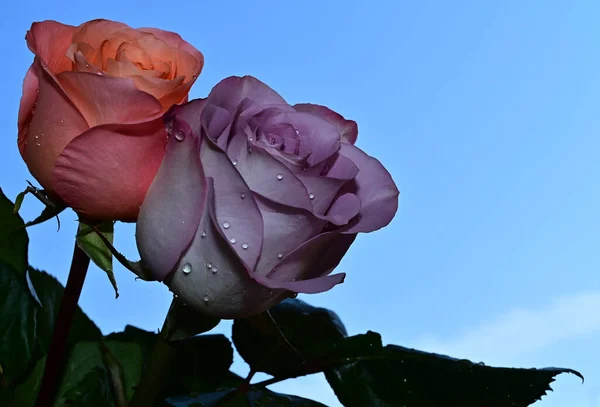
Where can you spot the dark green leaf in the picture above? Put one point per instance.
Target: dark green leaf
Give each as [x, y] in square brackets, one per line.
[85, 360]
[93, 245]
[201, 365]
[373, 375]
[183, 322]
[92, 391]
[26, 392]
[13, 236]
[26, 327]
[144, 339]
[114, 373]
[255, 397]
[48, 213]
[311, 331]
[86, 357]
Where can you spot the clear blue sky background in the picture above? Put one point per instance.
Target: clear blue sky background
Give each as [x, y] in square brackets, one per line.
[487, 114]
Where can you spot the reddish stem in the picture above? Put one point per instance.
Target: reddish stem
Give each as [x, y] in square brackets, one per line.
[58, 345]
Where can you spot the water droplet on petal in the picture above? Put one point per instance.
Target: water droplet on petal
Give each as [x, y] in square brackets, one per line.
[297, 132]
[208, 265]
[38, 144]
[62, 121]
[311, 196]
[214, 270]
[251, 139]
[279, 177]
[205, 298]
[203, 233]
[233, 240]
[36, 136]
[244, 246]
[235, 162]
[87, 65]
[194, 76]
[180, 135]
[226, 225]
[187, 268]
[243, 196]
[404, 380]
[280, 256]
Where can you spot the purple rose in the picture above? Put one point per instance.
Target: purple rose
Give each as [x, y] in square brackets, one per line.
[256, 199]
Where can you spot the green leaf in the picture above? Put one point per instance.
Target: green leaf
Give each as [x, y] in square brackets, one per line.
[184, 322]
[26, 326]
[84, 361]
[19, 201]
[114, 372]
[255, 397]
[92, 244]
[370, 374]
[201, 365]
[13, 236]
[92, 391]
[86, 357]
[26, 393]
[311, 331]
[48, 213]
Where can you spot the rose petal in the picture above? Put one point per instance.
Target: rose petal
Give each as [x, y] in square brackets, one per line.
[132, 52]
[162, 89]
[81, 64]
[236, 211]
[216, 123]
[231, 91]
[344, 208]
[105, 100]
[265, 175]
[121, 43]
[374, 187]
[172, 208]
[95, 32]
[122, 69]
[216, 282]
[348, 129]
[286, 229]
[50, 40]
[47, 123]
[310, 264]
[319, 135]
[191, 112]
[175, 41]
[105, 172]
[27, 104]
[324, 188]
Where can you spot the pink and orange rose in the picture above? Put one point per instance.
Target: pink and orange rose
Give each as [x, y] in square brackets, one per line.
[90, 127]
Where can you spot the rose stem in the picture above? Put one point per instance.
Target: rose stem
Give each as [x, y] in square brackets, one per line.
[58, 344]
[156, 371]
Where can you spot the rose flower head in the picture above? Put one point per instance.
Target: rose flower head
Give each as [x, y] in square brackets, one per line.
[256, 199]
[90, 128]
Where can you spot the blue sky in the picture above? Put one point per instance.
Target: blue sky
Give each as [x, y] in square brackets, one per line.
[487, 114]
